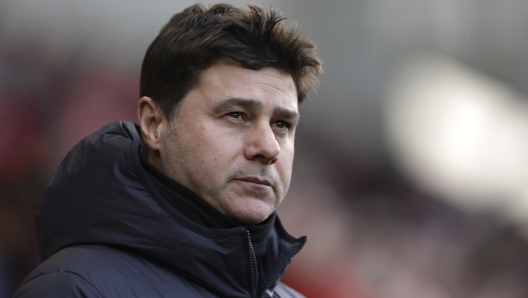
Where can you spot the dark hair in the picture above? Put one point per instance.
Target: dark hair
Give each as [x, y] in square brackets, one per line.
[196, 38]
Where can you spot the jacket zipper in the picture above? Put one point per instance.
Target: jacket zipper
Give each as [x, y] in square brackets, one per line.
[252, 266]
[282, 267]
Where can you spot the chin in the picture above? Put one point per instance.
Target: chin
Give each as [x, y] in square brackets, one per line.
[252, 212]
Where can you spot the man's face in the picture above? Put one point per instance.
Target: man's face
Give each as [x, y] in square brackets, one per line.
[232, 141]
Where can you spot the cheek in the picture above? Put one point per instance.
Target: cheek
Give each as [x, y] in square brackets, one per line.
[217, 149]
[220, 138]
[285, 165]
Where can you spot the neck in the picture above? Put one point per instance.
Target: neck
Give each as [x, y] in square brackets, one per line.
[153, 157]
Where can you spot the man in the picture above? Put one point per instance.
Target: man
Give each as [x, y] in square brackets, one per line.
[183, 204]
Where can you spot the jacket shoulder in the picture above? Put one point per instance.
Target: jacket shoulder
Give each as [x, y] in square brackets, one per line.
[101, 271]
[56, 284]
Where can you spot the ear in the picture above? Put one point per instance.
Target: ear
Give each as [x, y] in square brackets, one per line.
[151, 121]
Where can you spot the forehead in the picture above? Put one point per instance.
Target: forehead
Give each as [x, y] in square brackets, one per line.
[227, 79]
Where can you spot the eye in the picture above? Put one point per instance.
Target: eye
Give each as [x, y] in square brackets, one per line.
[283, 125]
[236, 115]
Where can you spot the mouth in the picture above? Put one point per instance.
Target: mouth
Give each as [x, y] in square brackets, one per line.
[255, 180]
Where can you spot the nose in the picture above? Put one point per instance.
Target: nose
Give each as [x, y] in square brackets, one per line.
[261, 144]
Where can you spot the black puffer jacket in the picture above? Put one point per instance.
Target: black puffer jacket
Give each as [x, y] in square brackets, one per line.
[104, 231]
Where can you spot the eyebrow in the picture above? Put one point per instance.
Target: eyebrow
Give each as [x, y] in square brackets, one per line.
[230, 103]
[255, 105]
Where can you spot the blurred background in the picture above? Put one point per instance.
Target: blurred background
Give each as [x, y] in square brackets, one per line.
[411, 171]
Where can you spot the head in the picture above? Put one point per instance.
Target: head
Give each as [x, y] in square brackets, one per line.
[220, 89]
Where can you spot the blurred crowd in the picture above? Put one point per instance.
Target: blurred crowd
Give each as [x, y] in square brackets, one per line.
[44, 111]
[374, 234]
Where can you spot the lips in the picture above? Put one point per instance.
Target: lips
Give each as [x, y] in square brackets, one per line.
[255, 180]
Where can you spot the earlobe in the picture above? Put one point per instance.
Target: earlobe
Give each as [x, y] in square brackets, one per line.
[150, 120]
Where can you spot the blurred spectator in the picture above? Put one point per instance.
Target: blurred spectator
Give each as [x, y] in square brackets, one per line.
[98, 99]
